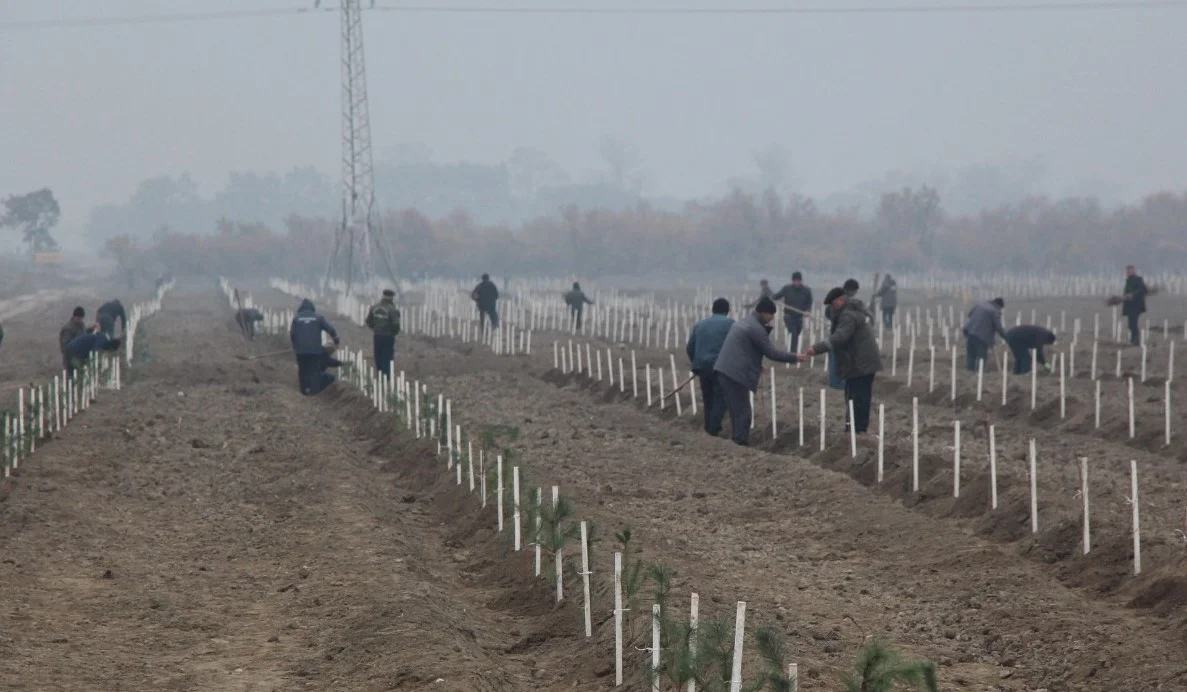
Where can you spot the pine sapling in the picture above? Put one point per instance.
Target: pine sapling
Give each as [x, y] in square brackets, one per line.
[879, 668]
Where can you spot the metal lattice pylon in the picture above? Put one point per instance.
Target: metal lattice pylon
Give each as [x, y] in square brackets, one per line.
[358, 255]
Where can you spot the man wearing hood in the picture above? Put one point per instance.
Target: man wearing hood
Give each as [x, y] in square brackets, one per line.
[577, 300]
[855, 351]
[739, 364]
[305, 335]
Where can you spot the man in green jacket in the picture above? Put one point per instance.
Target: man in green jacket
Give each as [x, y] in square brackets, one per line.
[855, 351]
[383, 319]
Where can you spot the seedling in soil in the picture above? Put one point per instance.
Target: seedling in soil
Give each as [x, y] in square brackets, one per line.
[879, 668]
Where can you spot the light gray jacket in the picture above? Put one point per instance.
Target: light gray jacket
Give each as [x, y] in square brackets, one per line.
[745, 345]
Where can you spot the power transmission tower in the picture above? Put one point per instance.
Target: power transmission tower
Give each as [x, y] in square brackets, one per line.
[358, 254]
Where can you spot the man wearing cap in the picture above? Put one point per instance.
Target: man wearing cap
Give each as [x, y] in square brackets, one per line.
[981, 329]
[486, 296]
[798, 297]
[739, 365]
[74, 328]
[855, 351]
[383, 319]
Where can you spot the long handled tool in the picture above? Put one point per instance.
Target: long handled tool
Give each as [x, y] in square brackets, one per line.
[682, 386]
[272, 354]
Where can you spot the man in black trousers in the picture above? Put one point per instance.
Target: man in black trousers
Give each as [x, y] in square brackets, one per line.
[855, 351]
[1134, 305]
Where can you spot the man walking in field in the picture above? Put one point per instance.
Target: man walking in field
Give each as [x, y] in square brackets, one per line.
[577, 300]
[383, 319]
[739, 365]
[486, 296]
[71, 330]
[981, 329]
[704, 344]
[1025, 338]
[855, 351]
[887, 295]
[305, 334]
[1134, 305]
[797, 300]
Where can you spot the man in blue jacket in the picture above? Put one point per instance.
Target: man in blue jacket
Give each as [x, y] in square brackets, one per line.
[305, 335]
[704, 343]
[739, 365]
[80, 347]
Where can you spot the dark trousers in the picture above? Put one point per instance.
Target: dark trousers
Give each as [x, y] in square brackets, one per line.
[714, 401]
[107, 326]
[888, 318]
[309, 374]
[1135, 330]
[737, 401]
[385, 350]
[860, 390]
[575, 315]
[975, 350]
[795, 326]
[488, 313]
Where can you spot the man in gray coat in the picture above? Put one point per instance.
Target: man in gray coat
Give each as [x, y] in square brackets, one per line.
[739, 365]
[983, 326]
[855, 351]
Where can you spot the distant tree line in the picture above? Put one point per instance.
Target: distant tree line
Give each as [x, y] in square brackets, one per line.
[738, 233]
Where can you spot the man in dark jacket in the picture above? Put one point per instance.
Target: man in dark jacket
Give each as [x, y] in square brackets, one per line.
[108, 313]
[74, 328]
[981, 329]
[81, 347]
[887, 295]
[799, 297]
[1134, 305]
[739, 364]
[325, 379]
[1022, 339]
[383, 319]
[855, 351]
[246, 318]
[576, 300]
[704, 345]
[486, 296]
[305, 335]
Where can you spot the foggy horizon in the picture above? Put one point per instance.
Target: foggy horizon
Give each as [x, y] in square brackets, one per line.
[1061, 103]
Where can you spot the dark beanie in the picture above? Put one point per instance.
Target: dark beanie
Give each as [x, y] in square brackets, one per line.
[999, 302]
[797, 276]
[833, 295]
[851, 285]
[79, 312]
[766, 306]
[388, 293]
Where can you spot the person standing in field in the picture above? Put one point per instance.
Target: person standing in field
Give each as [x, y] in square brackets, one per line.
[704, 344]
[981, 329]
[1025, 338]
[577, 300]
[855, 351]
[887, 295]
[305, 334]
[1134, 305]
[246, 318]
[486, 296]
[739, 365]
[383, 319]
[797, 301]
[74, 328]
[108, 313]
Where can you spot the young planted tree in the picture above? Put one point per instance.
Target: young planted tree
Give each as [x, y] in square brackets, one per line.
[880, 668]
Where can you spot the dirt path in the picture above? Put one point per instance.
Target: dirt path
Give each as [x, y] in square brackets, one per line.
[210, 529]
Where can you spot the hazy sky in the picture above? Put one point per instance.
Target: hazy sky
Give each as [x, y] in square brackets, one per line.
[91, 111]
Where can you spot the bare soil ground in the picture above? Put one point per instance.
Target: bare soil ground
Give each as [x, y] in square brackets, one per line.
[209, 528]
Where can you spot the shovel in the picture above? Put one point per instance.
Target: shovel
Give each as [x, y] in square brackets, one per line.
[264, 355]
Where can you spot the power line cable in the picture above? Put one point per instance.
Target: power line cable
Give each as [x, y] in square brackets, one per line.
[998, 8]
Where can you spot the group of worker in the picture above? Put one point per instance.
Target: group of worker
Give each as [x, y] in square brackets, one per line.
[76, 341]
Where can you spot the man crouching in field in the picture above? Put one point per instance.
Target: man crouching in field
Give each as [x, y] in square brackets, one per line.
[305, 335]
